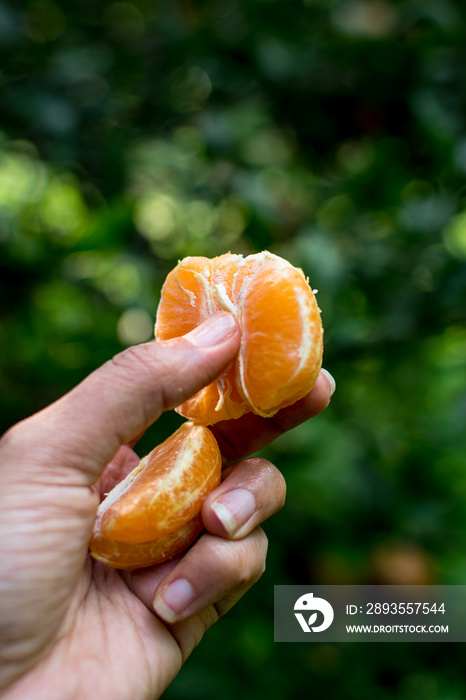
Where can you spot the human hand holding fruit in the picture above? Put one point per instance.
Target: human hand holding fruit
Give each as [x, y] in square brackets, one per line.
[155, 512]
[71, 627]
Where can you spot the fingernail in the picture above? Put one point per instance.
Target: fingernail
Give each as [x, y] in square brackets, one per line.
[330, 380]
[234, 509]
[215, 330]
[174, 599]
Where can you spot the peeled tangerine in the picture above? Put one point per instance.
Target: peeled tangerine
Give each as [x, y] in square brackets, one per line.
[155, 512]
[281, 331]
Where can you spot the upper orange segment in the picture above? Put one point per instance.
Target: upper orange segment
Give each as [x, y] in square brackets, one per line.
[186, 293]
[166, 490]
[281, 331]
[280, 356]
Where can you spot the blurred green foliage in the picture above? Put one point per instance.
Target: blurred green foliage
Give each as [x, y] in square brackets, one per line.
[332, 132]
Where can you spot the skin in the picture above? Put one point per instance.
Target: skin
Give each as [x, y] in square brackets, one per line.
[71, 627]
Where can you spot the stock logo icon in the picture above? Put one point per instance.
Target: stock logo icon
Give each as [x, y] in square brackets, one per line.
[308, 604]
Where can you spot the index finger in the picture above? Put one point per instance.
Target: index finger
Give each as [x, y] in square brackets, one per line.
[242, 437]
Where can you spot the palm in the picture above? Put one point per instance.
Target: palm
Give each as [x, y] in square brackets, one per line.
[111, 624]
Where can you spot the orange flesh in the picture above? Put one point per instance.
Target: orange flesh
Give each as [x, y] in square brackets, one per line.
[280, 357]
[281, 331]
[182, 471]
[136, 556]
[156, 509]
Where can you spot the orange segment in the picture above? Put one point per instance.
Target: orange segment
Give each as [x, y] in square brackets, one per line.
[224, 269]
[121, 555]
[189, 297]
[165, 491]
[218, 401]
[186, 289]
[281, 347]
[246, 271]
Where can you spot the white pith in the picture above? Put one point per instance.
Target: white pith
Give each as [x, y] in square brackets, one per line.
[191, 295]
[123, 486]
[224, 300]
[224, 390]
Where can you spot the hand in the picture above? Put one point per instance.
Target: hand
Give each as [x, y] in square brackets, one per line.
[71, 627]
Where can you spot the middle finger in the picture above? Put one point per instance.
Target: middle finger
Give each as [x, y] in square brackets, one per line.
[252, 491]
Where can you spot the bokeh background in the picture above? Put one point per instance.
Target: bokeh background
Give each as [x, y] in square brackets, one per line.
[332, 132]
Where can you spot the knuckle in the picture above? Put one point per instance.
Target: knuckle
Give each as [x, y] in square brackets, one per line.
[148, 360]
[209, 616]
[273, 479]
[241, 562]
[200, 623]
[11, 439]
[280, 488]
[276, 479]
[253, 560]
[263, 546]
[133, 358]
[230, 559]
[19, 437]
[164, 367]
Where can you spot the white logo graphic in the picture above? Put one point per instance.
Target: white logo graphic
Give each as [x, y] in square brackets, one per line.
[308, 603]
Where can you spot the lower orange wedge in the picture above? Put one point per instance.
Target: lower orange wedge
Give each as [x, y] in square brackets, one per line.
[120, 555]
[154, 513]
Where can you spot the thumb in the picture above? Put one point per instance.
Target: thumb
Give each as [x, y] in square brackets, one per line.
[74, 438]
